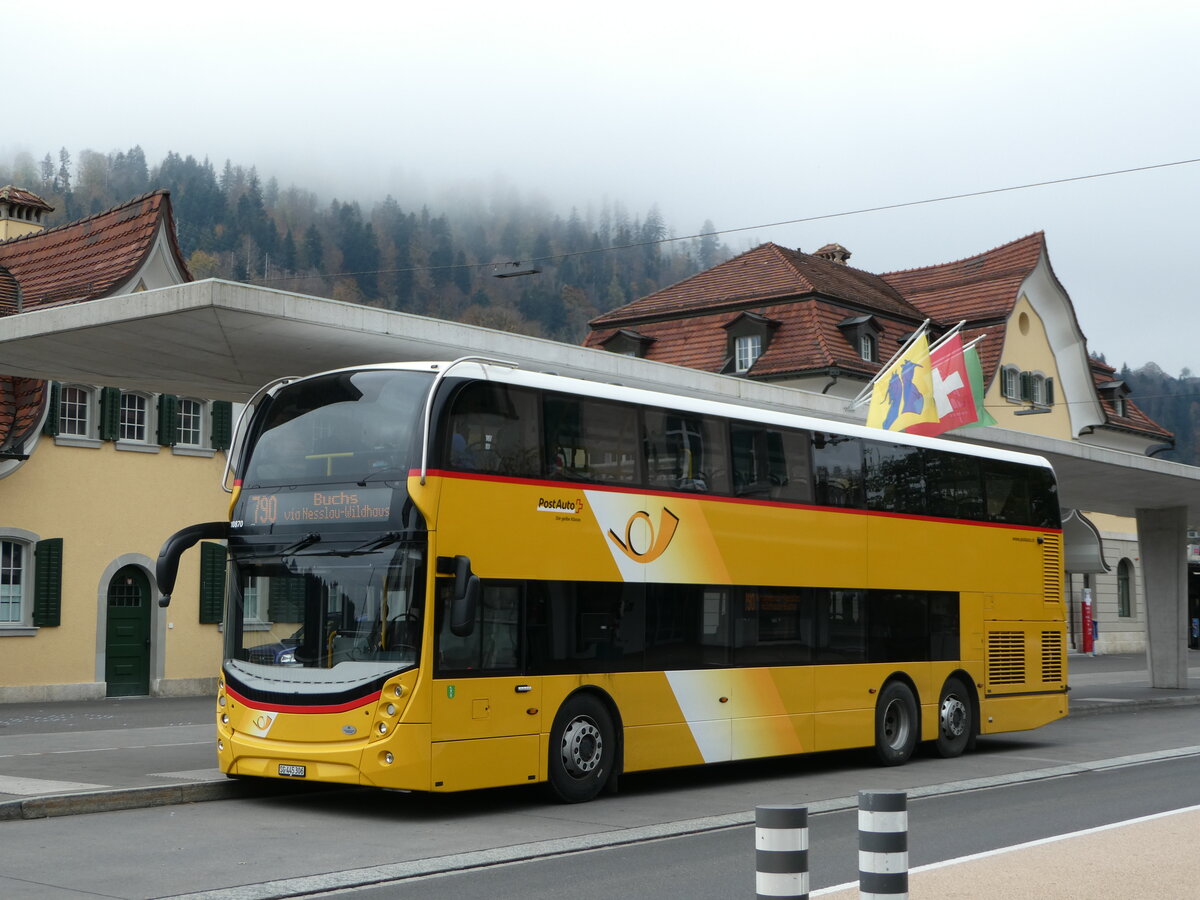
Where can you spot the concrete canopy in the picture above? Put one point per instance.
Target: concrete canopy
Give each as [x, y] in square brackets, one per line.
[222, 340]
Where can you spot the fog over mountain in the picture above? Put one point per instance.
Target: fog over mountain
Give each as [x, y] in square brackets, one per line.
[745, 116]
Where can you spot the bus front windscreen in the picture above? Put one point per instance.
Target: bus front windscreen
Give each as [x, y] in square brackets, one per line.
[343, 428]
[354, 610]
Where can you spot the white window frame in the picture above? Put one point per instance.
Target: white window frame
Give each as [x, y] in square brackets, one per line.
[90, 401]
[746, 350]
[1010, 383]
[27, 541]
[260, 591]
[866, 347]
[200, 431]
[146, 442]
[1037, 389]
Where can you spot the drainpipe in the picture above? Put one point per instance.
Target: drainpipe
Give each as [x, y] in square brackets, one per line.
[833, 372]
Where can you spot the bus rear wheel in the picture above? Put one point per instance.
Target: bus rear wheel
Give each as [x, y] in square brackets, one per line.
[956, 719]
[896, 728]
[582, 749]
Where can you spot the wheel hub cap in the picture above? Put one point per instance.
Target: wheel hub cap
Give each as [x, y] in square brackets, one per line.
[582, 747]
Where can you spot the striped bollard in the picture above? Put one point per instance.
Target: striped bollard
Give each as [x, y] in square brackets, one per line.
[781, 854]
[882, 845]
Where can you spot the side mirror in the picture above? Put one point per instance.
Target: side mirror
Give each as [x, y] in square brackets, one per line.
[167, 567]
[465, 602]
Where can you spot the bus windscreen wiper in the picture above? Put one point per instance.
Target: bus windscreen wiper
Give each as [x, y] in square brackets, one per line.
[309, 539]
[382, 541]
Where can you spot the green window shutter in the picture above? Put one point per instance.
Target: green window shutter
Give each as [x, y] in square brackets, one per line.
[110, 413]
[285, 601]
[168, 420]
[47, 583]
[212, 583]
[50, 428]
[222, 424]
[1027, 386]
[1049, 391]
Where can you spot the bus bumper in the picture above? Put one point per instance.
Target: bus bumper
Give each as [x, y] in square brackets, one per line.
[1021, 712]
[400, 762]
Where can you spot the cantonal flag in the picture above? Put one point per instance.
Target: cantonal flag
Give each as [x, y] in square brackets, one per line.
[957, 387]
[903, 394]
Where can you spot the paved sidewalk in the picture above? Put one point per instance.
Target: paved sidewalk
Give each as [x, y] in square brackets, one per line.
[91, 756]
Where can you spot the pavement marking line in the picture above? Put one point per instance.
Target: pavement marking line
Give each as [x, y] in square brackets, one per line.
[615, 837]
[27, 787]
[1000, 851]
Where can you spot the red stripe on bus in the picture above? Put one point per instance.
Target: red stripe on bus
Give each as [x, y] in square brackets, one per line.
[293, 708]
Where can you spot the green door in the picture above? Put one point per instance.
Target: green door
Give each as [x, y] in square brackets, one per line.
[127, 647]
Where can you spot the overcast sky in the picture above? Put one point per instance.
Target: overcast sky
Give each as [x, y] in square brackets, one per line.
[745, 114]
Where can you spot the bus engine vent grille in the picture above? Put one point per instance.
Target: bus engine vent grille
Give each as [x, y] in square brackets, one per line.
[1006, 657]
[1052, 656]
[1052, 568]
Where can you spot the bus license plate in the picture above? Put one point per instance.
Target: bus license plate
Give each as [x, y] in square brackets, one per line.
[291, 771]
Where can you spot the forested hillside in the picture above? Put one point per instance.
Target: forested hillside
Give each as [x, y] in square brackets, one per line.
[1172, 402]
[439, 262]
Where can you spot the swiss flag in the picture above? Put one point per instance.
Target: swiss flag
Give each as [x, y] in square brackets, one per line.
[951, 390]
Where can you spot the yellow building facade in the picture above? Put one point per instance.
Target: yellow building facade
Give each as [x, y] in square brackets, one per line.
[93, 478]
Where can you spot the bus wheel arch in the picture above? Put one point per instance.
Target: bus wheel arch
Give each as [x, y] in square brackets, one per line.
[897, 721]
[585, 747]
[957, 716]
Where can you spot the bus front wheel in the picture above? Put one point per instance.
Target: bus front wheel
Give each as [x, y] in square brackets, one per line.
[956, 719]
[582, 749]
[896, 729]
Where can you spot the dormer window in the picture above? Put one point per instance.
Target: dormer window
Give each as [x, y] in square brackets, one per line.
[863, 334]
[1116, 393]
[627, 342]
[749, 336]
[747, 350]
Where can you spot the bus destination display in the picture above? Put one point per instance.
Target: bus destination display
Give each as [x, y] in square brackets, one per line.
[324, 507]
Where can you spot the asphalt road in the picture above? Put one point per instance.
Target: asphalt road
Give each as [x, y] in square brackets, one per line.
[254, 848]
[721, 864]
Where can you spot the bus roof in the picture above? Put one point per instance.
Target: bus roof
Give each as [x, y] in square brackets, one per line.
[509, 373]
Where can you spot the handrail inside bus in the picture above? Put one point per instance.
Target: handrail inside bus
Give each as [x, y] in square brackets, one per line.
[234, 443]
[433, 390]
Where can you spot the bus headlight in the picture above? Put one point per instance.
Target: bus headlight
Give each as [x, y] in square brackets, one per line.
[383, 727]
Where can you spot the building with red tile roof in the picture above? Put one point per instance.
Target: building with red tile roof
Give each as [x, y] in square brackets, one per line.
[814, 322]
[92, 476]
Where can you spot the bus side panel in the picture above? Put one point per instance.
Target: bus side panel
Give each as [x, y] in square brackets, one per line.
[911, 554]
[491, 762]
[772, 711]
[846, 698]
[770, 545]
[657, 732]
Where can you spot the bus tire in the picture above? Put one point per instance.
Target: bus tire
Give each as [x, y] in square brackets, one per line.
[583, 749]
[896, 725]
[956, 719]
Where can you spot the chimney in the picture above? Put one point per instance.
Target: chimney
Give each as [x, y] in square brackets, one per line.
[835, 253]
[21, 212]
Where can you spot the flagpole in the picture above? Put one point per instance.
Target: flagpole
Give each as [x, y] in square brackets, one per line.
[945, 337]
[913, 338]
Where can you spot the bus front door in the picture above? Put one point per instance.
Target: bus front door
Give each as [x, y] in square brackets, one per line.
[486, 719]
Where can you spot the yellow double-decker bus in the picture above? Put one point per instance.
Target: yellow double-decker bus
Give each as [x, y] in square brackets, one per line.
[447, 576]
